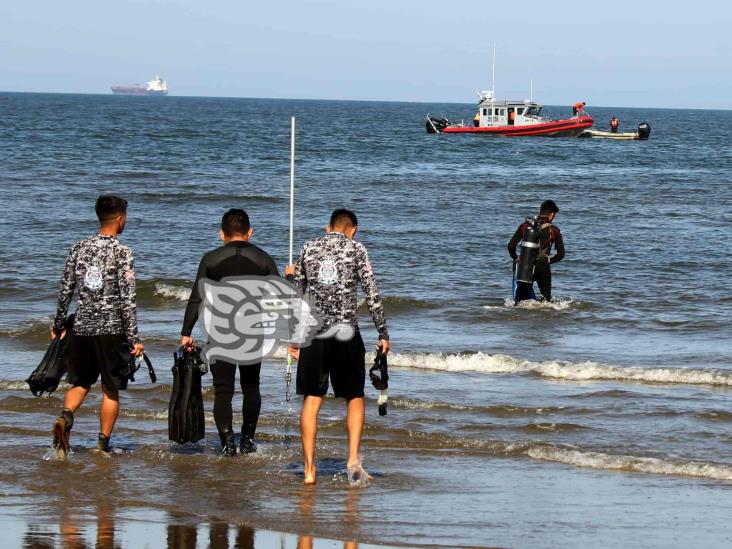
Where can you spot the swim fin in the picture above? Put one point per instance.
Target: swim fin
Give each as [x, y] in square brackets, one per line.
[47, 375]
[186, 422]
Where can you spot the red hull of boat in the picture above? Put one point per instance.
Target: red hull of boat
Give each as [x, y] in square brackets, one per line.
[567, 127]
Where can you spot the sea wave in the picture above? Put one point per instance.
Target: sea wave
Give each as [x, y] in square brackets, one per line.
[658, 466]
[161, 292]
[33, 331]
[569, 455]
[397, 304]
[188, 197]
[497, 410]
[572, 371]
[13, 385]
[558, 304]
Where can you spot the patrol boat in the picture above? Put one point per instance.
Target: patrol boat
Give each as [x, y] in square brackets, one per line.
[511, 118]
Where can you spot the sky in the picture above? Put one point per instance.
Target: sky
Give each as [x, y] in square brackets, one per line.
[619, 53]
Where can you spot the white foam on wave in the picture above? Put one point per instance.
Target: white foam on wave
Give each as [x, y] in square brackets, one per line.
[573, 371]
[559, 304]
[658, 466]
[172, 292]
[8, 385]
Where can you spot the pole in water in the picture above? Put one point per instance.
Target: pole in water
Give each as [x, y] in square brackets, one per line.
[288, 372]
[292, 185]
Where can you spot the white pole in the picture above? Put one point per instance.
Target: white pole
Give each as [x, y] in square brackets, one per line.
[288, 371]
[531, 93]
[292, 187]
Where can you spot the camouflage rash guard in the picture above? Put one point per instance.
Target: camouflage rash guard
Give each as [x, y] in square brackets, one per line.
[331, 267]
[103, 271]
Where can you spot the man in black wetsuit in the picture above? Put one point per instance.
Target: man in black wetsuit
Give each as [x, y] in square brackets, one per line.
[549, 235]
[237, 257]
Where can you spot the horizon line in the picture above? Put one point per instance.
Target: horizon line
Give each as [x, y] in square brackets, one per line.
[182, 96]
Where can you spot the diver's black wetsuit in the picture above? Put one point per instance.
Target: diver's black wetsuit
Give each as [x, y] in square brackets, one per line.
[236, 258]
[549, 235]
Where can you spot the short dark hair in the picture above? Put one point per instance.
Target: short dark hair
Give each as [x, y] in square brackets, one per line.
[548, 206]
[342, 216]
[235, 221]
[109, 206]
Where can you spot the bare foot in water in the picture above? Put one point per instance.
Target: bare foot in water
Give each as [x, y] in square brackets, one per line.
[310, 476]
[357, 475]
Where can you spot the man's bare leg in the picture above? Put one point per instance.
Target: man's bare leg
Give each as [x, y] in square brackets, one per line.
[355, 421]
[309, 430]
[109, 411]
[74, 397]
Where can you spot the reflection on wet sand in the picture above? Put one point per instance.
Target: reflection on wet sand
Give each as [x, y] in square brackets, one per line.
[182, 536]
[306, 542]
[35, 538]
[72, 530]
[76, 529]
[218, 536]
[350, 516]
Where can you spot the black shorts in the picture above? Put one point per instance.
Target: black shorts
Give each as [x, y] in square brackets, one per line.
[343, 361]
[88, 357]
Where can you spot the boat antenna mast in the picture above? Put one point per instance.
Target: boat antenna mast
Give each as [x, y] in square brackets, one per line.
[494, 69]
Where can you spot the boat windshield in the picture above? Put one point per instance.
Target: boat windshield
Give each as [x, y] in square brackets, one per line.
[533, 111]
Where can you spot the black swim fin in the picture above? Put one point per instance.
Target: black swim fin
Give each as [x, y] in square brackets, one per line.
[186, 420]
[47, 375]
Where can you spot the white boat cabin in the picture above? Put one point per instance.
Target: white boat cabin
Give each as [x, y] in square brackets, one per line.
[506, 113]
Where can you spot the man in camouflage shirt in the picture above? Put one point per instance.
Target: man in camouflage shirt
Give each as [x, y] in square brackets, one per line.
[106, 318]
[331, 268]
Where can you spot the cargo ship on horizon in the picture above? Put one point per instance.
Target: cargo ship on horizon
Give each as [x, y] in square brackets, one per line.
[156, 86]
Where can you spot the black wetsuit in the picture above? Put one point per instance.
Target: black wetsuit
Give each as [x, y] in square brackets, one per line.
[236, 258]
[549, 235]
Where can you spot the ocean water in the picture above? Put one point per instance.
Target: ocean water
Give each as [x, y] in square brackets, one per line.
[604, 416]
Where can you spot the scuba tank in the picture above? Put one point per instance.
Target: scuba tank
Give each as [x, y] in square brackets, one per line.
[529, 251]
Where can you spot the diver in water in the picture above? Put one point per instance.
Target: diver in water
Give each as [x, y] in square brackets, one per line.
[331, 268]
[237, 257]
[106, 319]
[549, 235]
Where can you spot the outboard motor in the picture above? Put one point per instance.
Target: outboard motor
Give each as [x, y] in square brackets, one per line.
[529, 251]
[644, 130]
[436, 125]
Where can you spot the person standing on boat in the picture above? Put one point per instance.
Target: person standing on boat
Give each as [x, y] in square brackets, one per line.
[476, 119]
[549, 236]
[578, 108]
[614, 124]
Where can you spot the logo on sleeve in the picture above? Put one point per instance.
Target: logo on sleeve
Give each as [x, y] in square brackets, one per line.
[328, 272]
